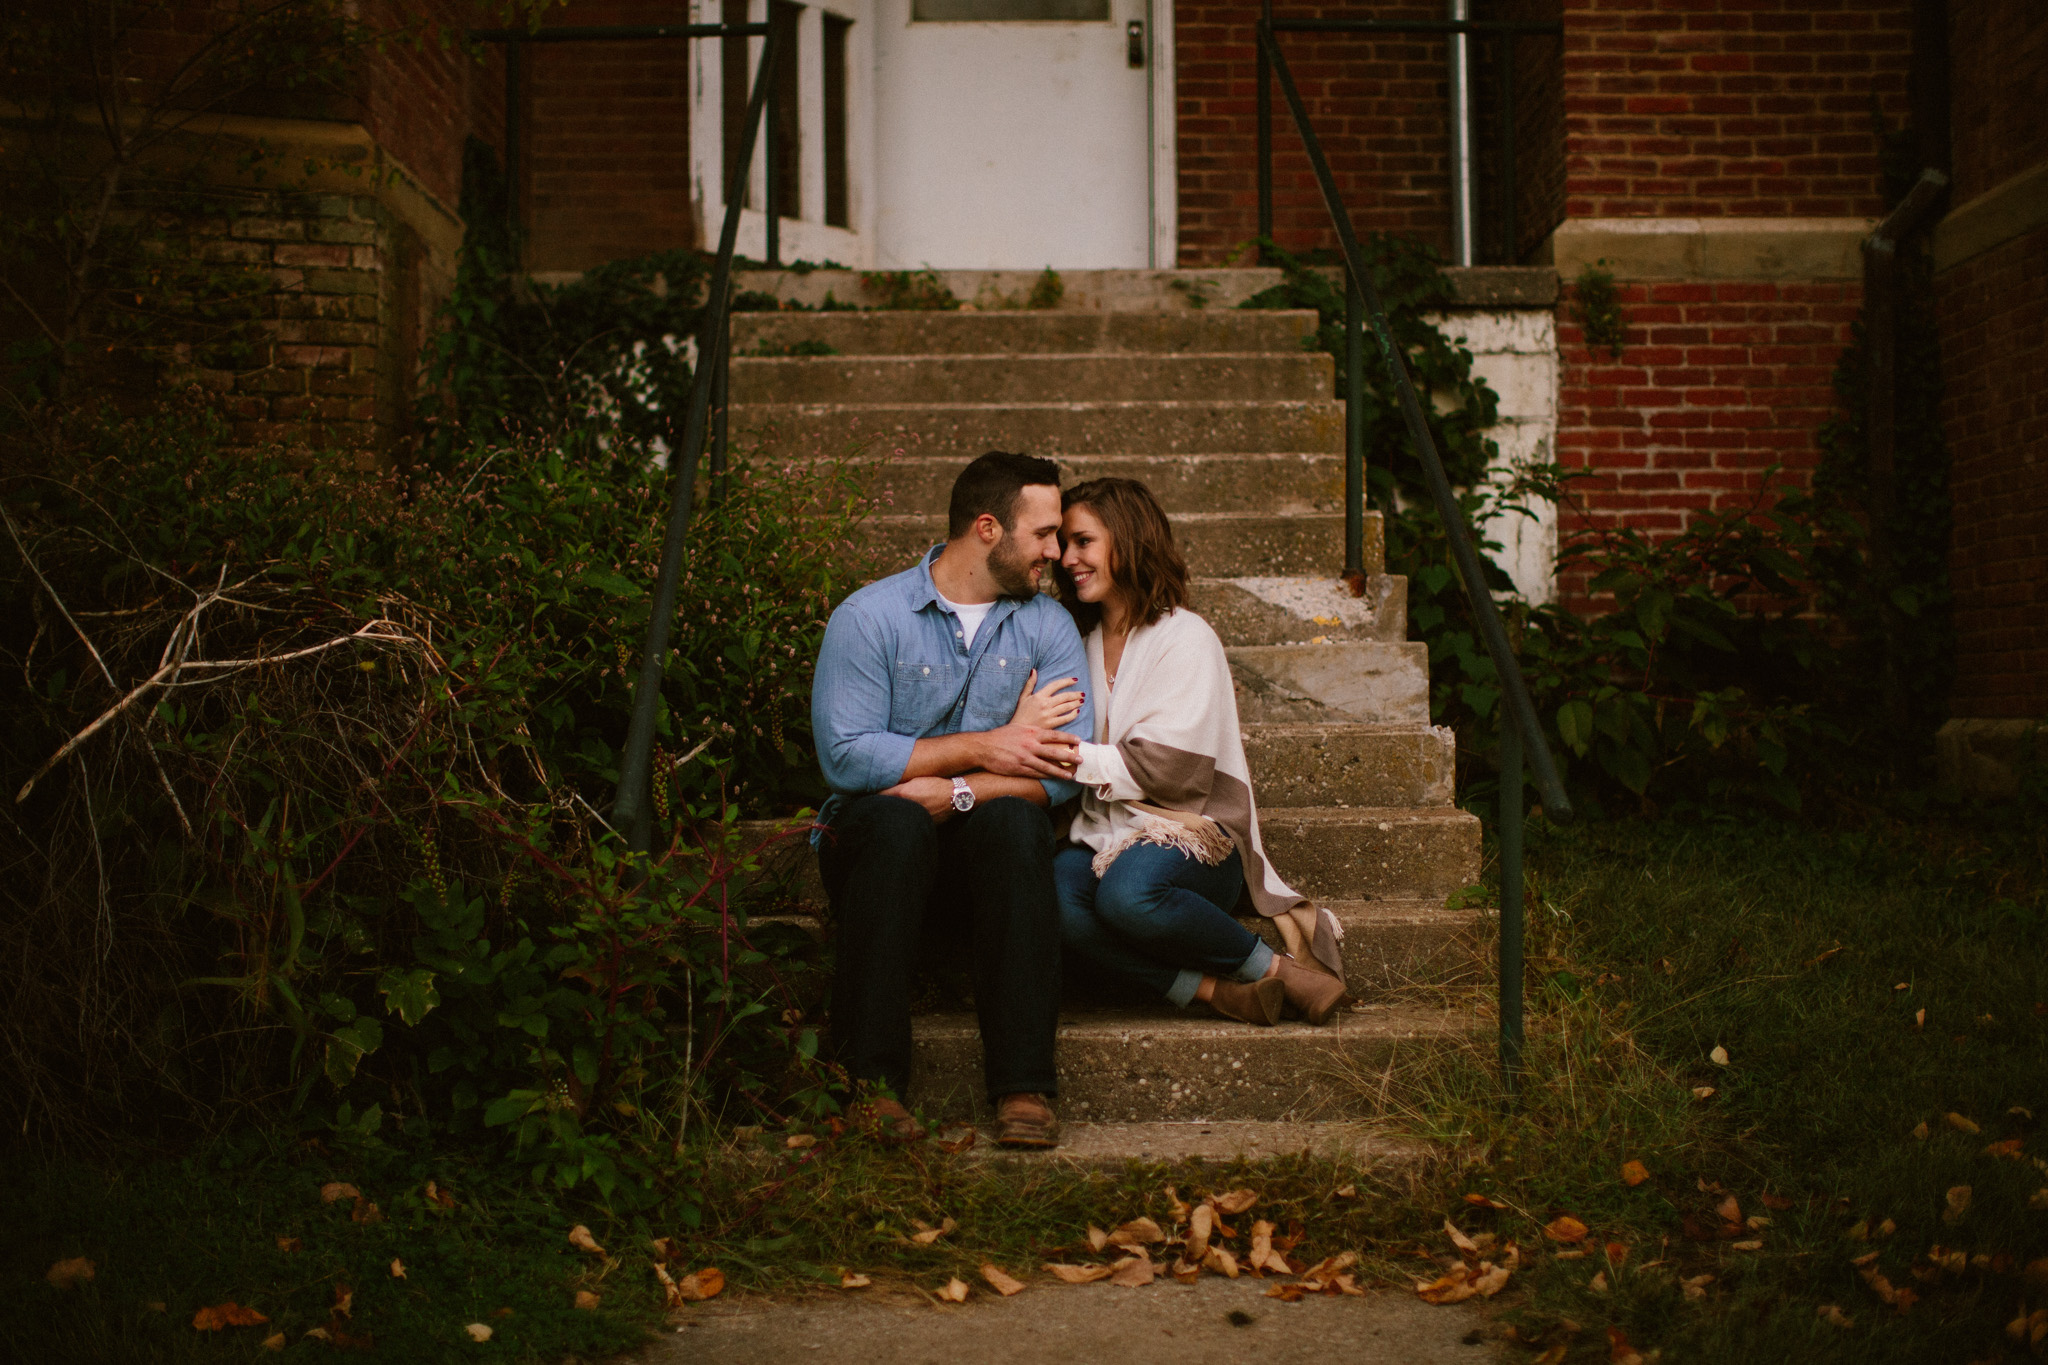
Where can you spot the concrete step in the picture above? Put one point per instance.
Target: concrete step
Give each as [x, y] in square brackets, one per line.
[1377, 682]
[1061, 333]
[1293, 482]
[1133, 1066]
[1289, 611]
[1221, 544]
[1372, 852]
[1112, 1146]
[1307, 763]
[1082, 291]
[1029, 378]
[964, 430]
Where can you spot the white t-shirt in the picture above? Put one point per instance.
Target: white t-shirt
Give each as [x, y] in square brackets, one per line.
[971, 616]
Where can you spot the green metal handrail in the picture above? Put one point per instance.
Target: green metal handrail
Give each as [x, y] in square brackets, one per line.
[1519, 726]
[632, 807]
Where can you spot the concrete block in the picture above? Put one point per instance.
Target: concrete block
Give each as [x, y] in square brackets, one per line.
[1987, 759]
[1286, 483]
[1209, 332]
[1282, 611]
[1391, 853]
[1527, 384]
[1309, 764]
[1028, 378]
[1373, 681]
[1499, 332]
[967, 429]
[1215, 544]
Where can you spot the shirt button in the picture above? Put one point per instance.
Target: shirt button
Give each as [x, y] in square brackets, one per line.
[927, 672]
[1002, 663]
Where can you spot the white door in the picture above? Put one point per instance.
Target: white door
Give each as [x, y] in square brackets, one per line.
[1012, 143]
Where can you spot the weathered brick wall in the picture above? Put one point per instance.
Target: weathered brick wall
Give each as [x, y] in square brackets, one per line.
[1994, 315]
[1539, 132]
[1998, 121]
[1378, 104]
[608, 159]
[1730, 108]
[421, 100]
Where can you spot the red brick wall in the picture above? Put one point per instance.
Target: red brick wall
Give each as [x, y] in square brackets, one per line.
[608, 138]
[1717, 382]
[421, 100]
[1998, 119]
[1378, 105]
[1994, 322]
[1730, 108]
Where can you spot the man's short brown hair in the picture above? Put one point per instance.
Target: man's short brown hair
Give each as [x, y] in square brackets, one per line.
[989, 487]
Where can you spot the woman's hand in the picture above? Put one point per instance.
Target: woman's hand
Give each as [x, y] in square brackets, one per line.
[1050, 707]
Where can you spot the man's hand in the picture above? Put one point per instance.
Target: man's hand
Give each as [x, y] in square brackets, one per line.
[935, 794]
[1030, 751]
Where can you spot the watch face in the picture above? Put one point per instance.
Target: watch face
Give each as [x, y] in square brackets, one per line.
[963, 798]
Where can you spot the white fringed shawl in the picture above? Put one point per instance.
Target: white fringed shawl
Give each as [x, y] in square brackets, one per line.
[1168, 768]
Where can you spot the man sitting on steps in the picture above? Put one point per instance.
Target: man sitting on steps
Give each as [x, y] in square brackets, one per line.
[941, 787]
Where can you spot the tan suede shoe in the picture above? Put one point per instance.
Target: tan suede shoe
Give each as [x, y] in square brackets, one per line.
[1026, 1120]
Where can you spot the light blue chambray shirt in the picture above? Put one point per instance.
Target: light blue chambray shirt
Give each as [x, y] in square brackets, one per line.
[895, 668]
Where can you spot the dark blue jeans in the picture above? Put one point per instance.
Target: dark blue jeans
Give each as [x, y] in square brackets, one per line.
[1156, 924]
[988, 877]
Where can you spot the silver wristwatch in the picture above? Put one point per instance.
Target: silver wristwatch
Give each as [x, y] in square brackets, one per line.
[963, 795]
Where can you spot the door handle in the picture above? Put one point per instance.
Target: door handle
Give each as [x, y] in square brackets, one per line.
[1134, 42]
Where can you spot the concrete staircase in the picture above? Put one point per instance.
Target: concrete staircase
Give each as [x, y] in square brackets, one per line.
[1233, 424]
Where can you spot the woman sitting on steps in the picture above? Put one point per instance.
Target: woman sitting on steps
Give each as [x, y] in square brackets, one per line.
[1167, 839]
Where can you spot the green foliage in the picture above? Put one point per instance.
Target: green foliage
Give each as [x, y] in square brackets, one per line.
[1597, 305]
[1046, 291]
[919, 291]
[398, 910]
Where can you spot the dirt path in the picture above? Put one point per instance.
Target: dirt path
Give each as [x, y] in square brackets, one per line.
[1213, 1322]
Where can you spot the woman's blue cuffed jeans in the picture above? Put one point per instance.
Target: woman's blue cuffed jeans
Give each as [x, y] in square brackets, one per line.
[1155, 924]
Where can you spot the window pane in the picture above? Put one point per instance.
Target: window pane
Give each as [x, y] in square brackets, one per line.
[962, 11]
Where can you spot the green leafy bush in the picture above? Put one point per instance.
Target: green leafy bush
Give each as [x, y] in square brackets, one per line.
[365, 875]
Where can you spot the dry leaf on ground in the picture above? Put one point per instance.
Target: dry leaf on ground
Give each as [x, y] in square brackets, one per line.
[288, 1245]
[1703, 1092]
[274, 1342]
[796, 1142]
[854, 1281]
[1346, 1192]
[1776, 1202]
[1491, 1279]
[1695, 1287]
[365, 1212]
[397, 1268]
[1616, 1253]
[1484, 1201]
[586, 1300]
[1133, 1272]
[334, 1191]
[478, 1332]
[1958, 1201]
[955, 1146]
[2011, 1148]
[1235, 1202]
[1959, 1123]
[1719, 1056]
[1920, 1131]
[1619, 1351]
[229, 1314]
[1753, 1244]
[926, 1234]
[580, 1238]
[1137, 1232]
[700, 1285]
[1201, 1222]
[344, 1300]
[436, 1195]
[1454, 1286]
[1262, 1257]
[72, 1271]
[2038, 1200]
[1220, 1261]
[1598, 1284]
[1079, 1274]
[1634, 1173]
[1565, 1228]
[1000, 1282]
[1097, 1238]
[955, 1291]
[1729, 1209]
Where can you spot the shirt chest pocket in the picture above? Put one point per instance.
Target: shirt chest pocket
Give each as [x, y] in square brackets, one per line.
[998, 683]
[920, 695]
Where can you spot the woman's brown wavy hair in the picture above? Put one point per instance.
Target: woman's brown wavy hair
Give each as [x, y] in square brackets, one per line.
[1145, 566]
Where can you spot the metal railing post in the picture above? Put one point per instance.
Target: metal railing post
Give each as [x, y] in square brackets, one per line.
[721, 401]
[1511, 241]
[1265, 123]
[632, 809]
[1510, 906]
[771, 200]
[1354, 427]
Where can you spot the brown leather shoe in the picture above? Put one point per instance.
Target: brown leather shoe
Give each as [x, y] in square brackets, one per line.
[1311, 991]
[885, 1120]
[1254, 1002]
[1026, 1120]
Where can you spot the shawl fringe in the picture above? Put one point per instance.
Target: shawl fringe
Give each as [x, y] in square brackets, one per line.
[1203, 840]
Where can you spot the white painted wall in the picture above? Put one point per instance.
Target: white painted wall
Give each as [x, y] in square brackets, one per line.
[1012, 145]
[1515, 352]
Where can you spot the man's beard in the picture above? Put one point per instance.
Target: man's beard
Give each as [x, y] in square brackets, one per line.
[1011, 568]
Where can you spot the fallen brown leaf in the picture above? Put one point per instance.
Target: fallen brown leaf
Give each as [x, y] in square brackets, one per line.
[1079, 1274]
[1491, 1279]
[796, 1142]
[1346, 1192]
[1729, 1210]
[665, 1247]
[2010, 1148]
[288, 1245]
[1262, 1256]
[953, 1291]
[586, 1300]
[1097, 1238]
[1553, 1356]
[1616, 1254]
[1177, 1204]
[1619, 1351]
[2038, 1200]
[1958, 1201]
[1777, 1203]
[67, 1273]
[1695, 1286]
[274, 1342]
[580, 1238]
[1598, 1284]
[1235, 1202]
[1201, 1222]
[1454, 1286]
[334, 1191]
[1920, 1131]
[1565, 1228]
[926, 1234]
[1753, 1244]
[854, 1282]
[1133, 1272]
[955, 1146]
[1286, 1293]
[1464, 1244]
[344, 1301]
[1137, 1232]
[397, 1268]
[229, 1314]
[1703, 1092]
[365, 1212]
[436, 1195]
[1221, 1261]
[700, 1285]
[1719, 1056]
[1959, 1123]
[1000, 1282]
[1634, 1173]
[1919, 1020]
[1187, 1272]
[1484, 1201]
[477, 1332]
